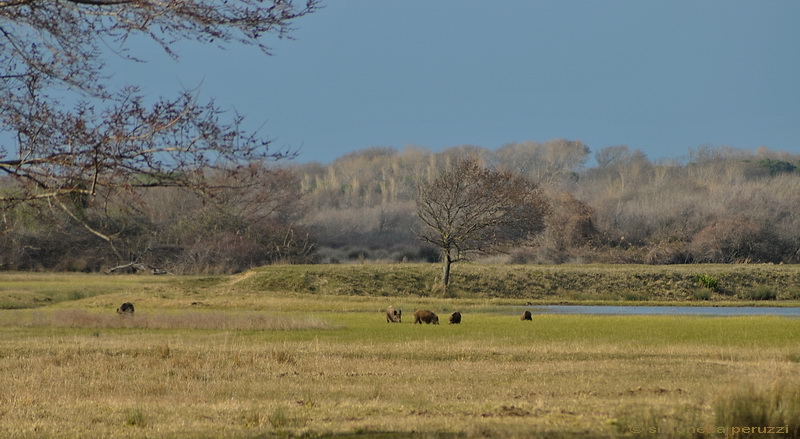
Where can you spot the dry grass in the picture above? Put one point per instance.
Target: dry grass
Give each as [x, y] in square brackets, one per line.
[760, 407]
[492, 376]
[316, 365]
[209, 320]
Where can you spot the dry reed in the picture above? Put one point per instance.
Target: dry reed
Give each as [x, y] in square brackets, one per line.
[210, 320]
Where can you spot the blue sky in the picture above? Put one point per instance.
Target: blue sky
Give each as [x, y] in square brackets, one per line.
[662, 77]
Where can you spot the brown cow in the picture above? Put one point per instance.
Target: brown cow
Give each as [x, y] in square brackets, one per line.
[455, 318]
[393, 315]
[526, 316]
[423, 315]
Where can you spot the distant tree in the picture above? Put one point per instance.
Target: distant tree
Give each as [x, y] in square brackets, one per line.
[612, 155]
[569, 226]
[777, 166]
[545, 163]
[74, 139]
[243, 227]
[471, 209]
[737, 239]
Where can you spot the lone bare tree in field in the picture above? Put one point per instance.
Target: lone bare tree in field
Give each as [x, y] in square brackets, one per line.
[66, 139]
[471, 209]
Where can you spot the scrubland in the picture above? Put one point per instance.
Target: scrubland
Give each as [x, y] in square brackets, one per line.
[229, 357]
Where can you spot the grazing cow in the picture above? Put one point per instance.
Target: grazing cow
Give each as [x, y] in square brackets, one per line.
[126, 309]
[423, 315]
[393, 315]
[455, 318]
[526, 316]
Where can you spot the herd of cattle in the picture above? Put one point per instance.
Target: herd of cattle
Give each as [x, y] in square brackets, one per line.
[394, 315]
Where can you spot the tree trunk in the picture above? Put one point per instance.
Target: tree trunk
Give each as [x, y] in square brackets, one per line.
[446, 261]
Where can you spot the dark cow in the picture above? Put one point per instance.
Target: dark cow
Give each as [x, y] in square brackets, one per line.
[125, 309]
[423, 315]
[526, 316]
[393, 315]
[455, 318]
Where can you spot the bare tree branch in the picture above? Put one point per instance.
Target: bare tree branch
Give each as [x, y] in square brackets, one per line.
[471, 209]
[74, 138]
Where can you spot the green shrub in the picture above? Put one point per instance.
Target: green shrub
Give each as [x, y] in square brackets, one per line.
[707, 281]
[759, 293]
[635, 297]
[702, 294]
[777, 166]
[791, 294]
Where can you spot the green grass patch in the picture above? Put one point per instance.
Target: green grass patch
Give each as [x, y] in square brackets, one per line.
[30, 290]
[625, 283]
[338, 286]
[16, 299]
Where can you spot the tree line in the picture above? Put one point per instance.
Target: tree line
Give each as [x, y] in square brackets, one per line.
[95, 177]
[720, 205]
[717, 204]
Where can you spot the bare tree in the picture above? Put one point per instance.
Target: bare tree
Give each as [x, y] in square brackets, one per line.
[545, 163]
[471, 209]
[75, 140]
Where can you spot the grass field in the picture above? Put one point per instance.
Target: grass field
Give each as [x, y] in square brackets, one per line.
[230, 357]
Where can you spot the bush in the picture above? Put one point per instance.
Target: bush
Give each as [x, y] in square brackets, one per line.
[702, 294]
[759, 293]
[417, 254]
[359, 254]
[668, 253]
[791, 294]
[430, 254]
[777, 407]
[738, 239]
[707, 281]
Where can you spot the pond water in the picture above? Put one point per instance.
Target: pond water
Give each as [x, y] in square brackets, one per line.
[663, 310]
